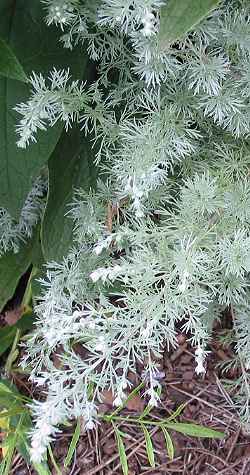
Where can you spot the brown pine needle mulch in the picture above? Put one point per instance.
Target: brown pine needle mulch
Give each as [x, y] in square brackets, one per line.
[206, 403]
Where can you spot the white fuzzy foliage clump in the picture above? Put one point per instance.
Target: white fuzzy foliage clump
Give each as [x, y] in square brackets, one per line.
[165, 238]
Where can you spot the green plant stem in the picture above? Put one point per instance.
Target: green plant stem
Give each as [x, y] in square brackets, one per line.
[134, 420]
[58, 471]
[25, 303]
[13, 352]
[131, 395]
[28, 291]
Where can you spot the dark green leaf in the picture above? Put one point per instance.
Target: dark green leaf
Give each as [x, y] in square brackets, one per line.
[178, 17]
[38, 271]
[26, 322]
[194, 430]
[13, 266]
[7, 334]
[38, 49]
[36, 285]
[71, 165]
[9, 64]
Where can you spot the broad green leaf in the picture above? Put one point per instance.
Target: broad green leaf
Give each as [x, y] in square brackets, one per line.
[73, 444]
[71, 165]
[38, 49]
[36, 285]
[178, 17]
[149, 446]
[194, 430]
[38, 271]
[169, 443]
[7, 334]
[26, 322]
[13, 266]
[121, 451]
[9, 64]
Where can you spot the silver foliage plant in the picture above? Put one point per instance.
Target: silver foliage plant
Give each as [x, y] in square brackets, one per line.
[165, 237]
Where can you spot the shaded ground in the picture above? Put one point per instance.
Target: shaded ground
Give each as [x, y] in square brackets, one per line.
[206, 403]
